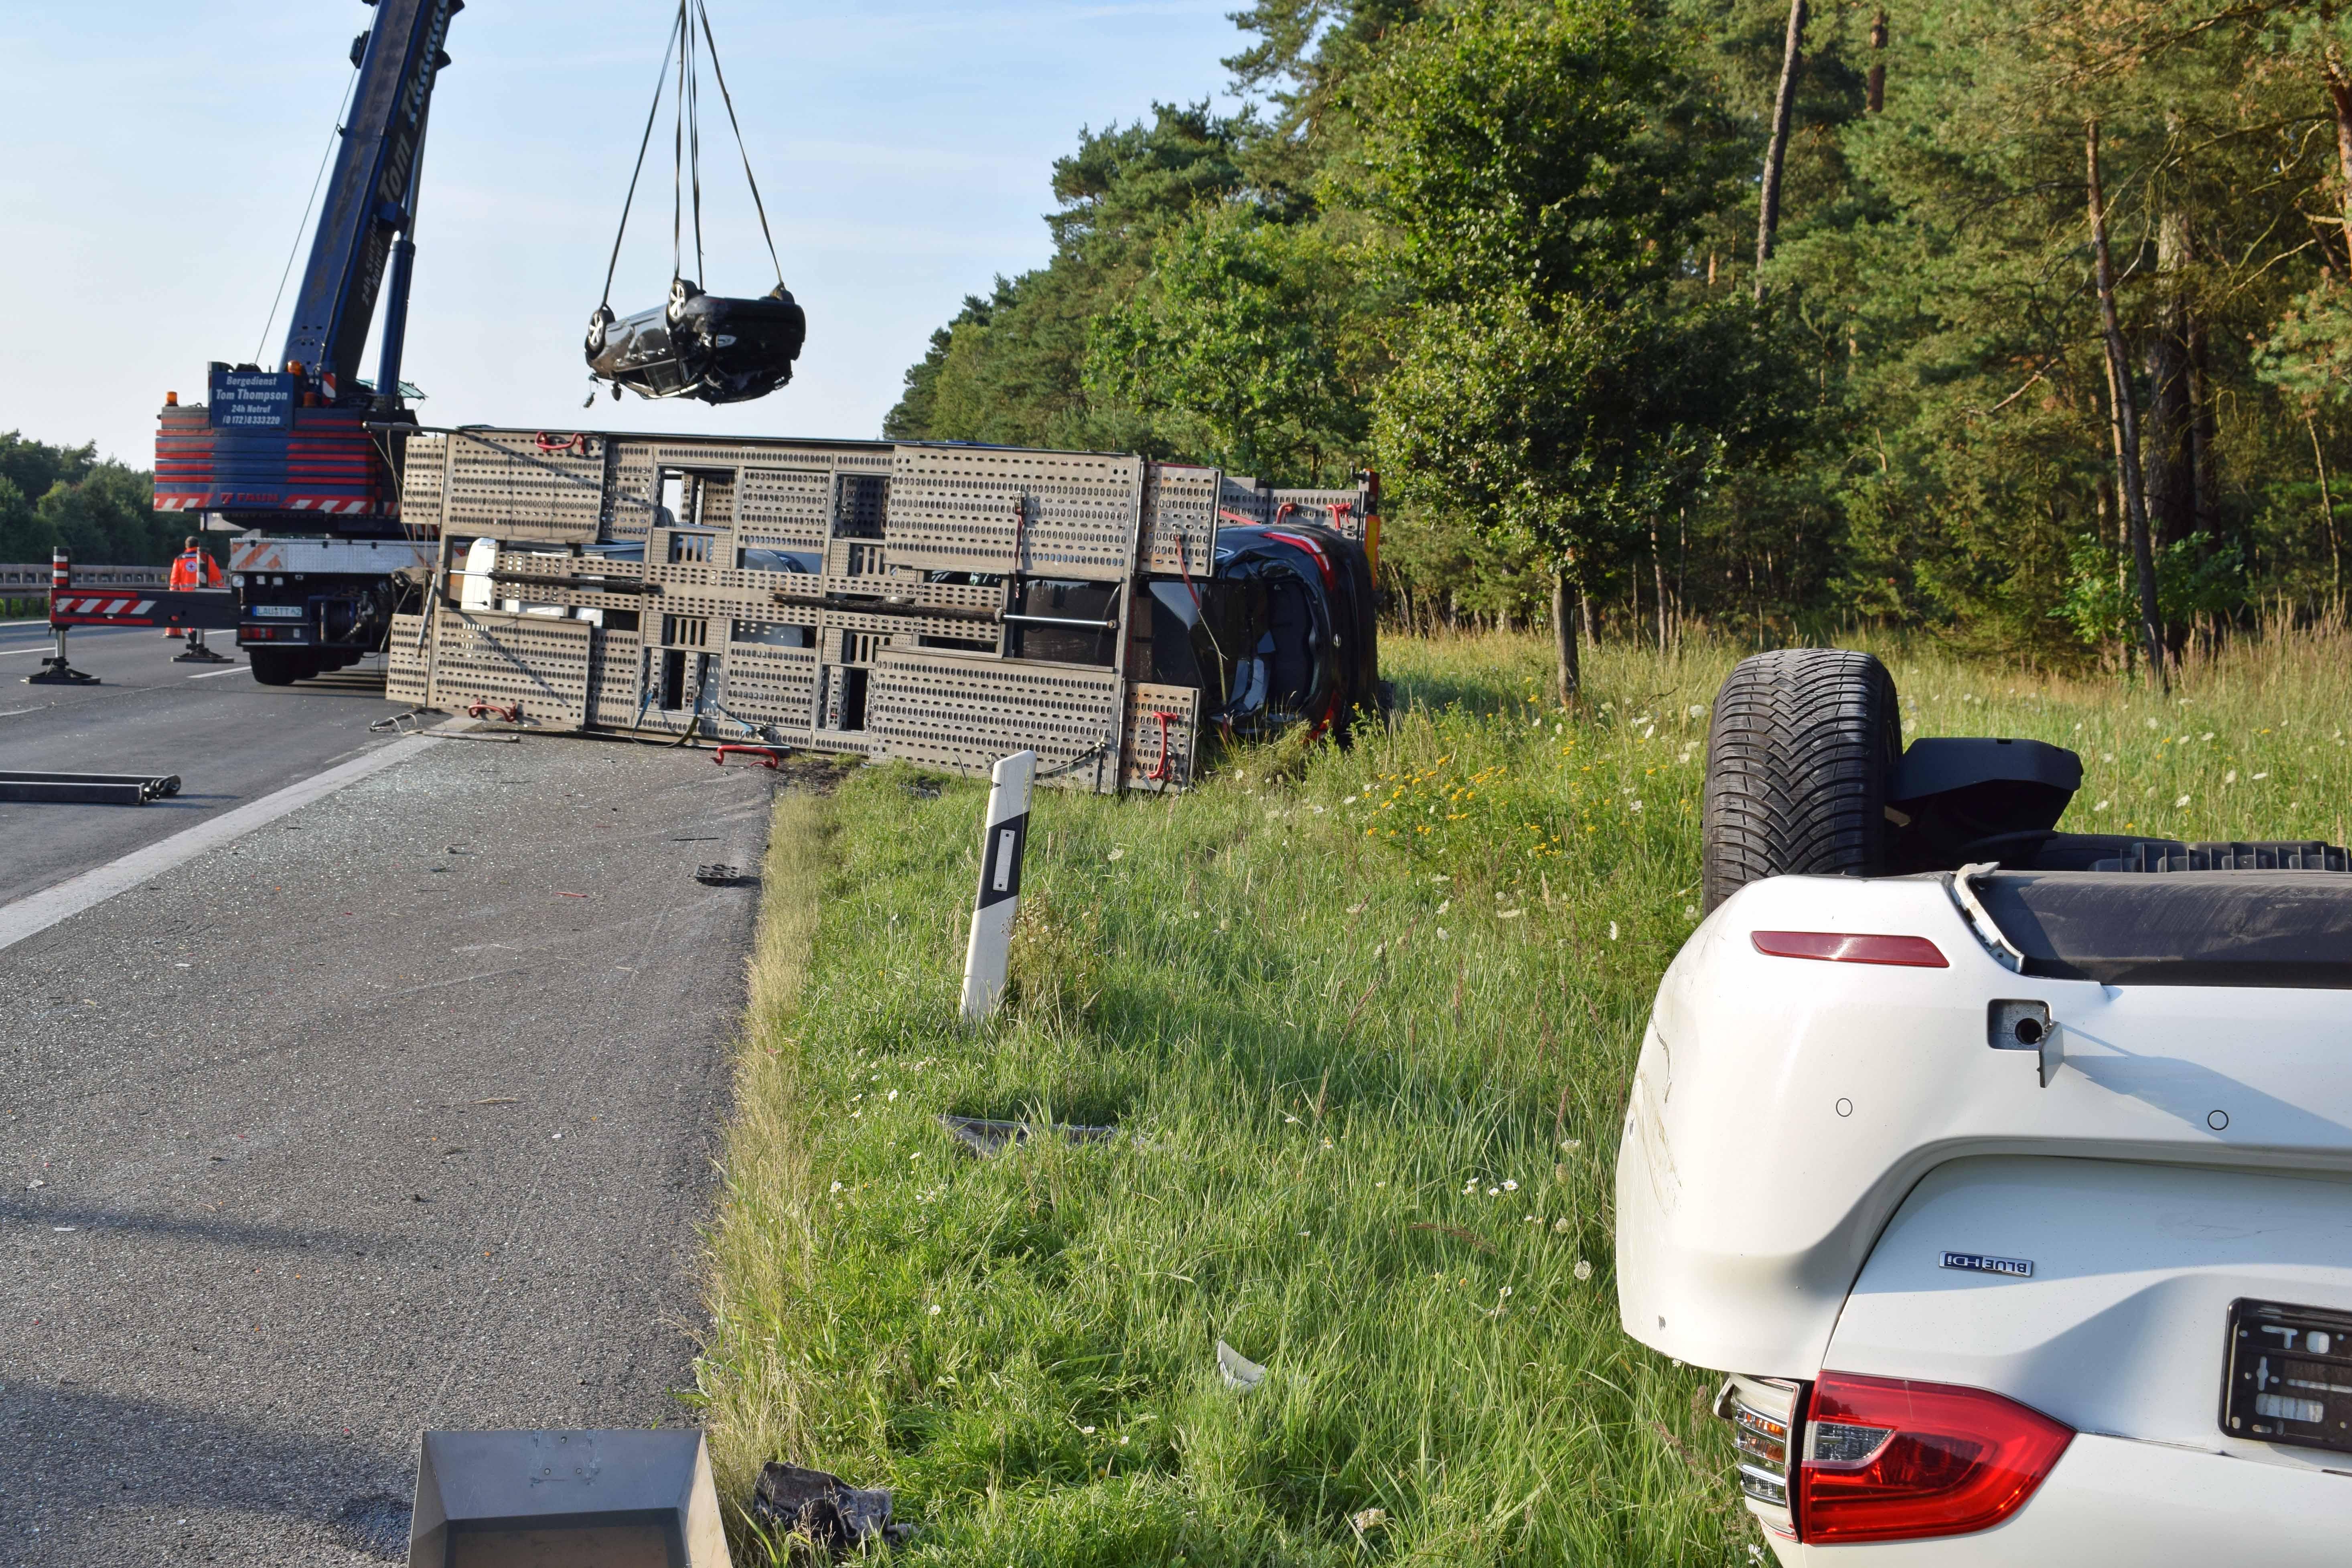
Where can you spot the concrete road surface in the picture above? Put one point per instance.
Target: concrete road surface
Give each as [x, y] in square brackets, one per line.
[397, 1112]
[229, 739]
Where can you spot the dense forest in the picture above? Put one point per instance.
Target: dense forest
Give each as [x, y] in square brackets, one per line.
[99, 510]
[1978, 316]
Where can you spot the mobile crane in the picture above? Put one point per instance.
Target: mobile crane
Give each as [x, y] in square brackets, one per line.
[304, 456]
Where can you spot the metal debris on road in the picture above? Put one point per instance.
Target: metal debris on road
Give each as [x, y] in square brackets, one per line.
[86, 788]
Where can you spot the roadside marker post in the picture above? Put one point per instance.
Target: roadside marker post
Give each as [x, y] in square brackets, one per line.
[1003, 833]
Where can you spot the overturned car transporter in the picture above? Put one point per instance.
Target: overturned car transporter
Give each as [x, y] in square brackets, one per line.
[946, 604]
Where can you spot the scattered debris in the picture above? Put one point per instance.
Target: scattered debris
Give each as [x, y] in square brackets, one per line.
[765, 756]
[87, 789]
[986, 1138]
[722, 875]
[829, 1512]
[1240, 1373]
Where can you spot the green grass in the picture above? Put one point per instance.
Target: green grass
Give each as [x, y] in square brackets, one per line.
[1365, 1019]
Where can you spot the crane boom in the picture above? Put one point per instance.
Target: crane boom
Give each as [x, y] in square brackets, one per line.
[370, 202]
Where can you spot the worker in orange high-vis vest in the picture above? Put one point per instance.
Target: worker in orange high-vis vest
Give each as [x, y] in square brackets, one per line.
[192, 568]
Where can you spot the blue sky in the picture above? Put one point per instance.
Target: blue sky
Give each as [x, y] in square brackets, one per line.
[154, 156]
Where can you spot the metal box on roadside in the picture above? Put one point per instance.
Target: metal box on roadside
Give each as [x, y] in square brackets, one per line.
[565, 1500]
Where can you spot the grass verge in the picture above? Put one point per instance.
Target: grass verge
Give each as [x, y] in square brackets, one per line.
[1364, 1019]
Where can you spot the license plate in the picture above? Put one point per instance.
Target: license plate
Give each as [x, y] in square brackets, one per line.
[281, 612]
[2289, 1378]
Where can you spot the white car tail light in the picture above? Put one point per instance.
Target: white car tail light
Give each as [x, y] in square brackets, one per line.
[1890, 1459]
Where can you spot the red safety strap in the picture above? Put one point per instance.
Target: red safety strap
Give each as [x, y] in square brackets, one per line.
[550, 444]
[510, 714]
[765, 756]
[1159, 770]
[1311, 547]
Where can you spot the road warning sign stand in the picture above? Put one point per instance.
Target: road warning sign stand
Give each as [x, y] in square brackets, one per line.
[59, 671]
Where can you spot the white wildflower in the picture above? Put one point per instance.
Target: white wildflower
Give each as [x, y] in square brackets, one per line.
[1583, 1269]
[1612, 931]
[1510, 1186]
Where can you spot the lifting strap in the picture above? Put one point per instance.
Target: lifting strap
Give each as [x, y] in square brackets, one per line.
[686, 151]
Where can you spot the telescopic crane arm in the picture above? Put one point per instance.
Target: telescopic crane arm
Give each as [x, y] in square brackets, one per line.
[367, 221]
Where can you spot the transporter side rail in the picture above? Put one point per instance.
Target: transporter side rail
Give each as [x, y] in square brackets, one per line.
[941, 603]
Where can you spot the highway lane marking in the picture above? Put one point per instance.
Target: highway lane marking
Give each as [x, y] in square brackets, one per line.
[48, 644]
[37, 912]
[208, 674]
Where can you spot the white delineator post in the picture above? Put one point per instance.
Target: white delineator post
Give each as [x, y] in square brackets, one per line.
[1001, 839]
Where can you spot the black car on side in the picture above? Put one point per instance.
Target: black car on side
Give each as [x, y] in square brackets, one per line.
[1283, 632]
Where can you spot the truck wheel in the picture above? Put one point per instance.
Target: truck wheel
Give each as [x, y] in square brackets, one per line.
[1797, 764]
[281, 666]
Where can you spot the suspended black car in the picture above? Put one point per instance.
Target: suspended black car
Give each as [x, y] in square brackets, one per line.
[699, 345]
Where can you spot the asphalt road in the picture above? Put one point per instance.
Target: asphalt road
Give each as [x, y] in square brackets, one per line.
[398, 1113]
[230, 739]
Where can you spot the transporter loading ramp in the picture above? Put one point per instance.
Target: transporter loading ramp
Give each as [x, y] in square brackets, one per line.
[946, 604]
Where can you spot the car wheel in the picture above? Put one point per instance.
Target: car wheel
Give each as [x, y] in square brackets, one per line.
[281, 666]
[1797, 763]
